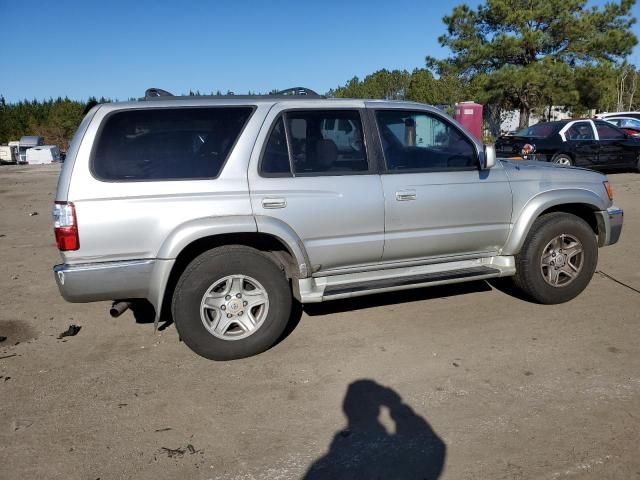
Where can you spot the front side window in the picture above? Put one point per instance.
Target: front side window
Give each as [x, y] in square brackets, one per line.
[608, 132]
[308, 142]
[167, 143]
[580, 131]
[418, 141]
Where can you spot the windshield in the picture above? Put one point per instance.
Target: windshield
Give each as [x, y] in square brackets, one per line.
[541, 130]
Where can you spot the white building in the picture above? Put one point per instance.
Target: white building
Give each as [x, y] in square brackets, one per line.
[510, 120]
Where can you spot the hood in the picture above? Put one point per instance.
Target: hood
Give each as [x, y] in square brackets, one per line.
[530, 179]
[551, 174]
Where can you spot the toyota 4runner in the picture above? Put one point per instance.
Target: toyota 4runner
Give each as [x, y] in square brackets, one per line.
[219, 211]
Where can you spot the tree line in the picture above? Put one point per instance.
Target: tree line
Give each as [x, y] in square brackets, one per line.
[524, 55]
[55, 119]
[603, 88]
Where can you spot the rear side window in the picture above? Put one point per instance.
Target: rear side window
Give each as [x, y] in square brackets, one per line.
[607, 132]
[167, 144]
[309, 142]
[275, 159]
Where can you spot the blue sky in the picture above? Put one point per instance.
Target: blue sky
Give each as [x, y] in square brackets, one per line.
[119, 48]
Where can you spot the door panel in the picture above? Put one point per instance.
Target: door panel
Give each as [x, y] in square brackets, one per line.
[586, 152]
[324, 189]
[446, 213]
[340, 220]
[611, 153]
[613, 148]
[437, 201]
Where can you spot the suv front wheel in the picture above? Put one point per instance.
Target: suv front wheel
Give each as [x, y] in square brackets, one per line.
[231, 302]
[557, 259]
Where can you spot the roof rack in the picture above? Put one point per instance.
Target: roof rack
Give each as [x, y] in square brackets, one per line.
[156, 92]
[297, 91]
[159, 94]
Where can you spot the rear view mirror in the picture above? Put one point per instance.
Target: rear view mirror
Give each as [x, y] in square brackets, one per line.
[489, 160]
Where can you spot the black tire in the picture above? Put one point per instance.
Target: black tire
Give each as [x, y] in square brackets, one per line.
[217, 264]
[638, 164]
[561, 158]
[529, 276]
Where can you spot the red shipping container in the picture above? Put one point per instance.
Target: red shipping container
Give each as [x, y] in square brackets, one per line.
[469, 114]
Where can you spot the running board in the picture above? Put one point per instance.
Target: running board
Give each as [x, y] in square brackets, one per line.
[386, 283]
[318, 289]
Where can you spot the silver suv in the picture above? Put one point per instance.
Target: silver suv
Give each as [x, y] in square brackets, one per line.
[219, 211]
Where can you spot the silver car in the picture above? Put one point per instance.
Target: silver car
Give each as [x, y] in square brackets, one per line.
[218, 212]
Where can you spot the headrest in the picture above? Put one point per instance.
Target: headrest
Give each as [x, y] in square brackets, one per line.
[326, 154]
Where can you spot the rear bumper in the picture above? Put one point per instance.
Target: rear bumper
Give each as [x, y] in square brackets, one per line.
[94, 282]
[609, 225]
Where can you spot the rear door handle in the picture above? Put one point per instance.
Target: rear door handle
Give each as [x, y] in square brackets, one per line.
[274, 202]
[405, 195]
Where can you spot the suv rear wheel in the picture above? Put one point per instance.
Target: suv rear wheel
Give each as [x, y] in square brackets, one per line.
[557, 259]
[231, 302]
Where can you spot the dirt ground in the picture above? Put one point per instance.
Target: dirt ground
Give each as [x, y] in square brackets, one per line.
[465, 382]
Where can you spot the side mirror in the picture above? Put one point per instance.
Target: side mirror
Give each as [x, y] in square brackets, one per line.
[489, 157]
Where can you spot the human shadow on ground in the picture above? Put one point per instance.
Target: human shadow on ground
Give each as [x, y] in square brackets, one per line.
[366, 450]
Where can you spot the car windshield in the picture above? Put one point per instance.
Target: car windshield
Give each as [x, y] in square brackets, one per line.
[541, 130]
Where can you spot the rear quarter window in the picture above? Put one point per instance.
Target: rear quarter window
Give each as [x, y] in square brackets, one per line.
[167, 143]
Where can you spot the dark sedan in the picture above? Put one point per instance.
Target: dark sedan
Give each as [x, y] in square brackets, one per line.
[584, 143]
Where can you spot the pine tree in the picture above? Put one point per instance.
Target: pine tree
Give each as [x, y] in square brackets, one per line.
[526, 52]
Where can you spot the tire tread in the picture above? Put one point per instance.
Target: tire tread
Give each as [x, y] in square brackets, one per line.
[526, 266]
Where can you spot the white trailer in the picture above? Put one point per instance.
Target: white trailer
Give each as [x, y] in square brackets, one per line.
[27, 142]
[9, 153]
[42, 154]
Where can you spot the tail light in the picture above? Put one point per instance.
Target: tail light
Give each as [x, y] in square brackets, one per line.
[65, 226]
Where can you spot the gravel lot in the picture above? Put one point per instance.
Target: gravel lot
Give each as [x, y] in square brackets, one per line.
[465, 380]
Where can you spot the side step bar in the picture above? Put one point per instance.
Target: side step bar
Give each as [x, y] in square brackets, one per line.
[386, 283]
[366, 282]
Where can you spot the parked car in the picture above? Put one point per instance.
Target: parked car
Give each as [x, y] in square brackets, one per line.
[220, 211]
[585, 143]
[630, 126]
[618, 114]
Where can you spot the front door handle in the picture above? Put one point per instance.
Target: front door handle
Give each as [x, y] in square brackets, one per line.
[405, 195]
[274, 202]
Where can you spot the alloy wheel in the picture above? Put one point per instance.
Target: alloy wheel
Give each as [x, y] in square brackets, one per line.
[562, 260]
[234, 307]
